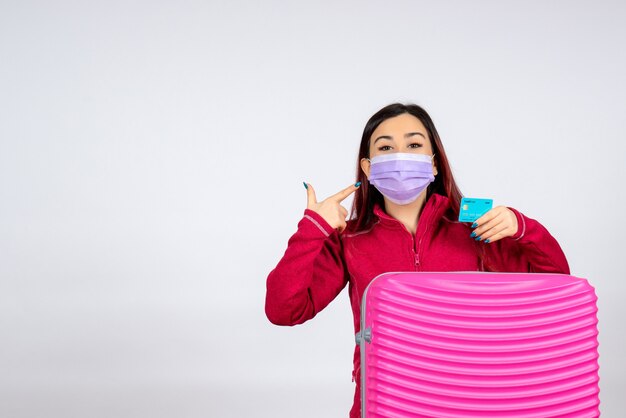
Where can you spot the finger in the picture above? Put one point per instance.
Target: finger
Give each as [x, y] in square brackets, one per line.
[310, 196]
[344, 211]
[499, 229]
[497, 237]
[487, 216]
[480, 231]
[338, 197]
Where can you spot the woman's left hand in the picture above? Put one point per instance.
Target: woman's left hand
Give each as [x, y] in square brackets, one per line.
[499, 222]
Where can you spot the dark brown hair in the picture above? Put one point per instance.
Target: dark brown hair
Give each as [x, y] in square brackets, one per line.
[367, 195]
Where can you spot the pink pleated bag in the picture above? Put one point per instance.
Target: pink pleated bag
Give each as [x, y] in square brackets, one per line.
[479, 345]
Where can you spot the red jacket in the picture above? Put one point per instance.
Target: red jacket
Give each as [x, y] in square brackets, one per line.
[320, 261]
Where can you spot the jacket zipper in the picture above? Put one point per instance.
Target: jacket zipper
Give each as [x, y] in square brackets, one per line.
[419, 246]
[416, 256]
[415, 251]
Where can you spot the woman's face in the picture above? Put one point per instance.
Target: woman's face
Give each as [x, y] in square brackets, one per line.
[402, 133]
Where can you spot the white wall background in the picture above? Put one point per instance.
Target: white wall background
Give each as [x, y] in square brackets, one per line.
[151, 164]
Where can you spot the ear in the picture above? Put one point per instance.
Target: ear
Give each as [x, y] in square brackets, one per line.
[435, 171]
[365, 166]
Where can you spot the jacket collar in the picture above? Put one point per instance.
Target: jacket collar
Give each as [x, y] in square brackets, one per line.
[435, 207]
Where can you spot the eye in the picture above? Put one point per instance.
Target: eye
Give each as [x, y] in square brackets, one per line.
[384, 148]
[415, 145]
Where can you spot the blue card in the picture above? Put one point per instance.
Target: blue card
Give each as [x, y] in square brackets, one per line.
[473, 208]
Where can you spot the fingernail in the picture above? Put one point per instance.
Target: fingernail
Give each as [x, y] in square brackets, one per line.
[357, 184]
[473, 234]
[487, 241]
[305, 186]
[474, 225]
[477, 238]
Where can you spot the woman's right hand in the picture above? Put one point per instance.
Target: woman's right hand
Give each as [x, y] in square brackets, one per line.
[330, 209]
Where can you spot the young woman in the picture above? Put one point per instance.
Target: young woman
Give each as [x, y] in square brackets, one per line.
[404, 218]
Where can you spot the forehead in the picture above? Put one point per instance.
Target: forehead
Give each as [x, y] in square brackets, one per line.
[399, 125]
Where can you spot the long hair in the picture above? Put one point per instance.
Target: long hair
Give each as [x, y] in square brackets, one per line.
[367, 195]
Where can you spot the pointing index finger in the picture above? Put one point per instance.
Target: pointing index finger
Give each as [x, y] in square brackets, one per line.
[338, 197]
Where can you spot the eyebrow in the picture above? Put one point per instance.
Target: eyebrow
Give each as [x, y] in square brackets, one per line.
[408, 135]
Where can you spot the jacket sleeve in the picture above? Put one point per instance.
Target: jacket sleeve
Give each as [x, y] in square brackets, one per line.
[309, 275]
[532, 249]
